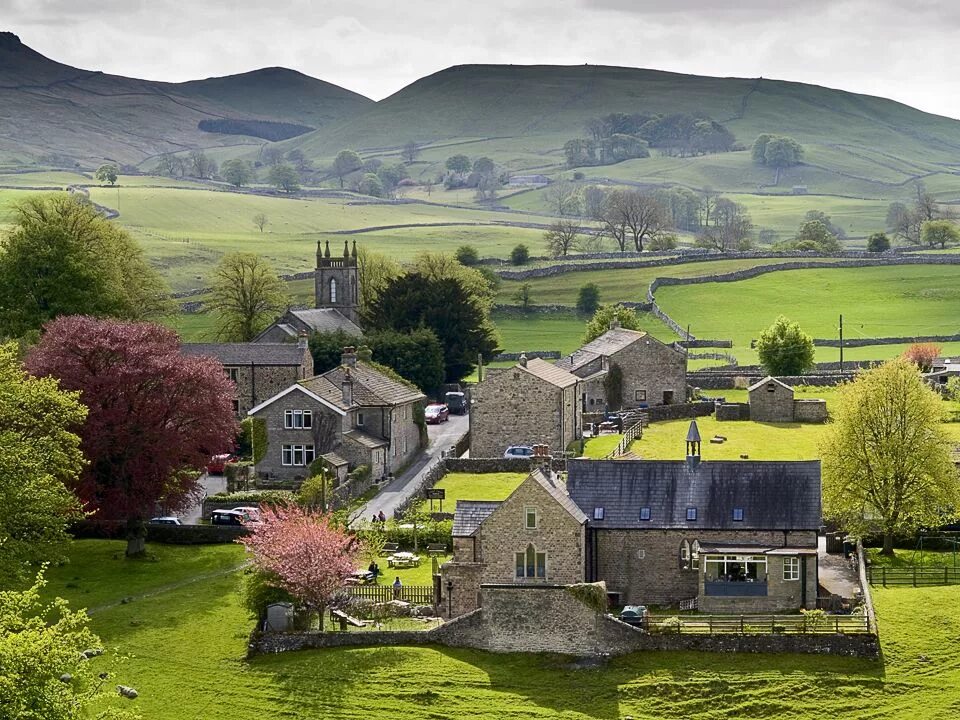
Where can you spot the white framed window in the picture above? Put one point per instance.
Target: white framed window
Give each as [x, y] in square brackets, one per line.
[738, 514]
[644, 513]
[598, 513]
[333, 290]
[297, 419]
[531, 564]
[691, 513]
[695, 555]
[233, 373]
[640, 395]
[530, 518]
[297, 455]
[791, 568]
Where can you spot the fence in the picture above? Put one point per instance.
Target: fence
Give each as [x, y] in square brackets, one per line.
[416, 594]
[760, 624]
[913, 576]
[633, 432]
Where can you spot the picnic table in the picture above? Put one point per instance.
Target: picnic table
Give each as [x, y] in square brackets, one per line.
[403, 560]
[361, 577]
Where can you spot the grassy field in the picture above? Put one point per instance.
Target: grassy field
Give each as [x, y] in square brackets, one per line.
[468, 486]
[185, 647]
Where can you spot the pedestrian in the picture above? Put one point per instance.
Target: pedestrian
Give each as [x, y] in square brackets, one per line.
[382, 517]
[375, 518]
[397, 588]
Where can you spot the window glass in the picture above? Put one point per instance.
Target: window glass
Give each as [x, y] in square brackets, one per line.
[791, 568]
[520, 565]
[288, 419]
[541, 565]
[598, 513]
[333, 290]
[308, 418]
[298, 455]
[531, 521]
[738, 514]
[640, 395]
[645, 513]
[309, 455]
[695, 555]
[691, 513]
[287, 455]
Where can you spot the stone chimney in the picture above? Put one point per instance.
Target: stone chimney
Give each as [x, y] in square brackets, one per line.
[347, 387]
[349, 357]
[542, 460]
[302, 341]
[523, 360]
[615, 324]
[693, 445]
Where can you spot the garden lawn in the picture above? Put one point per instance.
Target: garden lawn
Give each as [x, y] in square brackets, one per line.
[185, 650]
[601, 446]
[476, 486]
[905, 558]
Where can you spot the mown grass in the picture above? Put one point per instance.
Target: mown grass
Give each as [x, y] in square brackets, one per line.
[185, 651]
[904, 558]
[475, 486]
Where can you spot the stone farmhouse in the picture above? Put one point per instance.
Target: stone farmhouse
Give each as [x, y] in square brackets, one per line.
[258, 371]
[652, 372]
[941, 370]
[534, 402]
[352, 415]
[735, 536]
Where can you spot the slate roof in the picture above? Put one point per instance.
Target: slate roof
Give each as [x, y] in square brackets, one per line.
[371, 388]
[247, 353]
[470, 513]
[326, 320]
[550, 373]
[769, 379]
[773, 495]
[368, 441]
[559, 493]
[612, 341]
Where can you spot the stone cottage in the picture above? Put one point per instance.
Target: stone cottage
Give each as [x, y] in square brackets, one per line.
[771, 401]
[536, 536]
[353, 413]
[258, 371]
[534, 402]
[652, 373]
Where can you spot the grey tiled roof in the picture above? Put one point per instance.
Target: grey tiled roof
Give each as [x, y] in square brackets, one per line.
[610, 342]
[559, 493]
[768, 379]
[371, 388]
[368, 441]
[469, 514]
[550, 372]
[326, 320]
[773, 495]
[247, 353]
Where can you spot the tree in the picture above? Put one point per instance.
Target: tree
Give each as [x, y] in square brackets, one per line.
[345, 163]
[607, 315]
[759, 150]
[666, 241]
[727, 226]
[886, 458]
[171, 165]
[563, 197]
[922, 355]
[777, 152]
[272, 155]
[237, 172]
[260, 220]
[580, 152]
[62, 258]
[284, 178]
[483, 165]
[632, 214]
[390, 177]
[309, 556]
[813, 236]
[523, 296]
[155, 415]
[467, 255]
[201, 166]
[410, 152]
[370, 184]
[878, 242]
[374, 272]
[247, 295]
[939, 232]
[107, 174]
[299, 160]
[416, 355]
[784, 349]
[826, 220]
[520, 255]
[458, 316]
[326, 348]
[561, 237]
[40, 457]
[44, 659]
[476, 281]
[588, 299]
[459, 164]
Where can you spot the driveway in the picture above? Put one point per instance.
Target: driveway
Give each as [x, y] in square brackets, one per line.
[211, 484]
[836, 573]
[443, 438]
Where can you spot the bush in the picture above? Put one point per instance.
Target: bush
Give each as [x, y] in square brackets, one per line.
[467, 255]
[257, 591]
[255, 497]
[664, 241]
[431, 532]
[878, 242]
[588, 299]
[256, 430]
[520, 255]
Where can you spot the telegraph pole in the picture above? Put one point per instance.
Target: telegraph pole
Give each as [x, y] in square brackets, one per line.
[841, 343]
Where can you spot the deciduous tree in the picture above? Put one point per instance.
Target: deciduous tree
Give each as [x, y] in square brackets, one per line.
[307, 554]
[345, 163]
[201, 166]
[107, 174]
[374, 272]
[410, 151]
[727, 227]
[237, 172]
[155, 415]
[459, 164]
[588, 299]
[524, 296]
[284, 178]
[260, 220]
[520, 255]
[784, 349]
[922, 355]
[247, 295]
[886, 458]
[561, 237]
[878, 242]
[467, 255]
[608, 315]
[939, 232]
[634, 215]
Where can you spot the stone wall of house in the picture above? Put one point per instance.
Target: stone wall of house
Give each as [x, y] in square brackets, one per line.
[782, 595]
[810, 411]
[653, 373]
[514, 407]
[460, 585]
[324, 435]
[771, 402]
[257, 383]
[656, 576]
[733, 411]
[558, 534]
[404, 437]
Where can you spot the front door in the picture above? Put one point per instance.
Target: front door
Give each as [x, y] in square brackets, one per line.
[668, 397]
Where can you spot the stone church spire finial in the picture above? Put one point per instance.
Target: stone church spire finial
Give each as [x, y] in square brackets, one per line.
[326, 253]
[346, 249]
[354, 249]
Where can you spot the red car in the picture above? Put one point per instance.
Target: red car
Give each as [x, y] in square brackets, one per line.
[436, 413]
[218, 463]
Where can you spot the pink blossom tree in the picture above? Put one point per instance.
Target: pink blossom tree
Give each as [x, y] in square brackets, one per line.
[308, 555]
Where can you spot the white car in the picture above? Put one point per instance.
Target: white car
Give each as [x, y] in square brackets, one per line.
[518, 451]
[167, 520]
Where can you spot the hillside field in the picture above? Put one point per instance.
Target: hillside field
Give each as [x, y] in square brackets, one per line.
[184, 638]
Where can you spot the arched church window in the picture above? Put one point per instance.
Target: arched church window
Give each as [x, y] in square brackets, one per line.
[333, 290]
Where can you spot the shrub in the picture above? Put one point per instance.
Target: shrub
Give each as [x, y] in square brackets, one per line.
[256, 429]
[664, 241]
[520, 255]
[255, 497]
[588, 299]
[432, 532]
[258, 589]
[467, 255]
[878, 242]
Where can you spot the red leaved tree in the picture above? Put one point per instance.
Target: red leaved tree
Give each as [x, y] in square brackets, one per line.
[155, 415]
[922, 355]
[308, 555]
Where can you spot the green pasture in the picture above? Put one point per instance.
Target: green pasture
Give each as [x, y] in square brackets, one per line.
[473, 486]
[185, 644]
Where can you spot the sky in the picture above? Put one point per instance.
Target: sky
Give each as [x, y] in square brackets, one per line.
[899, 49]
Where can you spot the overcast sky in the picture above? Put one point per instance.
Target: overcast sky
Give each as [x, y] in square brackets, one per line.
[894, 48]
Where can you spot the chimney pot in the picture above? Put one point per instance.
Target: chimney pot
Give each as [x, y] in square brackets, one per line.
[349, 357]
[302, 341]
[523, 359]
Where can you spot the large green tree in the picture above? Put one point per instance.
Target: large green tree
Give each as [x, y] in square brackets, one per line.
[784, 349]
[346, 162]
[237, 172]
[107, 174]
[416, 356]
[284, 178]
[939, 232]
[62, 257]
[39, 457]
[886, 458]
[608, 315]
[445, 305]
[247, 295]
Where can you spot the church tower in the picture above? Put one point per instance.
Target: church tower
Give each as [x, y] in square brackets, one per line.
[337, 283]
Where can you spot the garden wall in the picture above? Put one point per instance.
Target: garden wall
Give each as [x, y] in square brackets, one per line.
[865, 342]
[733, 412]
[810, 411]
[661, 413]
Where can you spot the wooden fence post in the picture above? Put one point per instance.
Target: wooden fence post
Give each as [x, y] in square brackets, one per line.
[741, 624]
[914, 575]
[884, 571]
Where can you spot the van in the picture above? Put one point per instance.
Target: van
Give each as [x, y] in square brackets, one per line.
[456, 402]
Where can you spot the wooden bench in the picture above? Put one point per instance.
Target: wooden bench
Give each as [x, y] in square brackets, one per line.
[345, 619]
[389, 549]
[436, 549]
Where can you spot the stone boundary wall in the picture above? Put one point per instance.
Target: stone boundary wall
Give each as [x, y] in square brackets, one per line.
[730, 359]
[661, 413]
[490, 465]
[733, 412]
[701, 343]
[809, 410]
[514, 356]
[864, 342]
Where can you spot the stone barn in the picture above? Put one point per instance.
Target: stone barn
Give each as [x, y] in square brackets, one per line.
[771, 401]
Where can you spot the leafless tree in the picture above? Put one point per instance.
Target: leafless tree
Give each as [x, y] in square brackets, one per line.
[563, 197]
[201, 166]
[562, 237]
[410, 152]
[260, 220]
[729, 228]
[634, 215]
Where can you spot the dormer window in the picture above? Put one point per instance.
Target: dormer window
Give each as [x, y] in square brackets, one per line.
[598, 513]
[644, 513]
[691, 513]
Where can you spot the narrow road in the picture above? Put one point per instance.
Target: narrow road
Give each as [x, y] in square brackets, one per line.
[211, 484]
[442, 438]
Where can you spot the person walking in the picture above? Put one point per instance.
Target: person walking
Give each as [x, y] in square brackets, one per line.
[397, 588]
[382, 517]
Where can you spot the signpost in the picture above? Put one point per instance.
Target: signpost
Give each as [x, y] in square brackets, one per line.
[436, 494]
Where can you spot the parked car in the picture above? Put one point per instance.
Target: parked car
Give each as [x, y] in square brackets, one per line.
[218, 463]
[456, 402]
[226, 517]
[518, 451]
[634, 615]
[166, 520]
[251, 514]
[436, 413]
